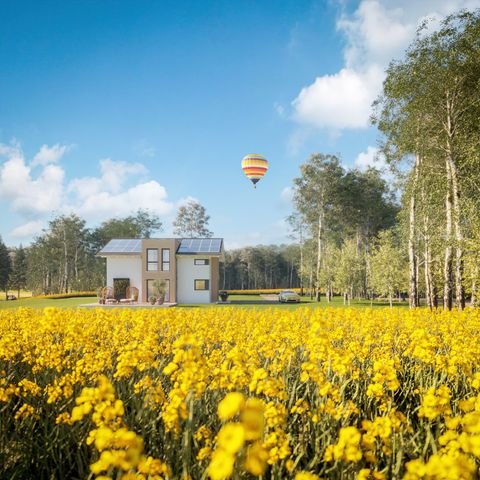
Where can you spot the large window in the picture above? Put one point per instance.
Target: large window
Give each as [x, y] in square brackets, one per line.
[167, 290]
[202, 284]
[152, 291]
[166, 259]
[152, 259]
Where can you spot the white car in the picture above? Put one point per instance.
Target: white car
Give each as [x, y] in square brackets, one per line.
[288, 296]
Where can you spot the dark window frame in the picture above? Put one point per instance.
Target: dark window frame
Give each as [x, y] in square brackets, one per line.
[150, 262]
[207, 284]
[165, 263]
[206, 261]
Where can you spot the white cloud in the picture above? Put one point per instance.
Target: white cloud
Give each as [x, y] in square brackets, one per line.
[119, 189]
[370, 158]
[102, 204]
[144, 148]
[375, 33]
[105, 196]
[286, 195]
[28, 229]
[114, 173]
[29, 195]
[280, 109]
[339, 101]
[186, 200]
[47, 155]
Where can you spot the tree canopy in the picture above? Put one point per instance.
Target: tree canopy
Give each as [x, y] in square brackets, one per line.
[192, 221]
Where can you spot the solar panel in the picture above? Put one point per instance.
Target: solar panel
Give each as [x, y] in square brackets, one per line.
[200, 245]
[123, 245]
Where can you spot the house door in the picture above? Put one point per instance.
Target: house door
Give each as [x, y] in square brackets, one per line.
[120, 286]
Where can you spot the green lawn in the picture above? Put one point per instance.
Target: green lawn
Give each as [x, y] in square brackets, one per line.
[240, 301]
[337, 302]
[47, 302]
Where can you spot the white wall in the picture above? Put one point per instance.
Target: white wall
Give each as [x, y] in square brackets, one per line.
[187, 273]
[125, 266]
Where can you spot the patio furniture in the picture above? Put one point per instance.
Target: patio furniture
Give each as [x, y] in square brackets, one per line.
[131, 295]
[107, 295]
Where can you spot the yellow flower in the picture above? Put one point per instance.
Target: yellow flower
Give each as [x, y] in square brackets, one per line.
[221, 465]
[256, 461]
[347, 447]
[103, 438]
[230, 405]
[231, 437]
[252, 419]
[204, 453]
[306, 476]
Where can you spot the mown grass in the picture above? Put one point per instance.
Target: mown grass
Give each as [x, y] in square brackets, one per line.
[47, 302]
[240, 301]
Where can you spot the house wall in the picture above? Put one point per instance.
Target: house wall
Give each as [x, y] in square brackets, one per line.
[171, 274]
[125, 266]
[215, 277]
[187, 273]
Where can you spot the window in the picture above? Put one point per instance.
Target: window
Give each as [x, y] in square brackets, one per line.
[165, 259]
[201, 261]
[202, 284]
[150, 289]
[152, 259]
[152, 292]
[167, 290]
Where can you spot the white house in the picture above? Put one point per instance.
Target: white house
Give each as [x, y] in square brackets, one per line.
[189, 266]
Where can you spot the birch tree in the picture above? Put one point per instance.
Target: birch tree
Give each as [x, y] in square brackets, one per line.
[388, 266]
[315, 193]
[426, 110]
[5, 267]
[192, 220]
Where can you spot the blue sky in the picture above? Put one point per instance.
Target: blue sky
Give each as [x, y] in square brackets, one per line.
[111, 106]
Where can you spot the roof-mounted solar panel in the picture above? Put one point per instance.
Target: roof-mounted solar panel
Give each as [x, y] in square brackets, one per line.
[194, 246]
[122, 245]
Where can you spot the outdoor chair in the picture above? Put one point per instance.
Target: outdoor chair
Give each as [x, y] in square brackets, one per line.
[131, 295]
[107, 295]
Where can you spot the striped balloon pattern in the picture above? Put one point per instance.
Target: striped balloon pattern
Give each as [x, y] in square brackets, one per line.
[254, 167]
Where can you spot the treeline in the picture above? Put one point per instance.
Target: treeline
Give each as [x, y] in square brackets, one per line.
[335, 238]
[261, 267]
[338, 219]
[63, 258]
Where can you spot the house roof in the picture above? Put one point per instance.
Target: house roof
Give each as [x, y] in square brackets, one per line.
[187, 246]
[124, 246]
[204, 246]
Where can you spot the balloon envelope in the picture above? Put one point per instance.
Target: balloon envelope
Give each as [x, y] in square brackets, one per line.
[254, 166]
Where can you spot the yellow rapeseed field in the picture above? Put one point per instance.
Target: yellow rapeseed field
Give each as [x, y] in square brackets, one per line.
[230, 393]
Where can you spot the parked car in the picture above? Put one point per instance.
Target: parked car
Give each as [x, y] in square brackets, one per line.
[288, 296]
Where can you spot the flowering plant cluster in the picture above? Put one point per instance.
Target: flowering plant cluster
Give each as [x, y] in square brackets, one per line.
[230, 393]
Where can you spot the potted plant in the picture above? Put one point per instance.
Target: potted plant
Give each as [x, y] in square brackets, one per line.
[160, 287]
[223, 294]
[152, 299]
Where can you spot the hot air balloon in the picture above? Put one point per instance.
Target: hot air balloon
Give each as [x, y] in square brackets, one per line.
[254, 167]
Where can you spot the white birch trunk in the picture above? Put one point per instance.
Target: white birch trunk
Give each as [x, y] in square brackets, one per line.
[412, 262]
